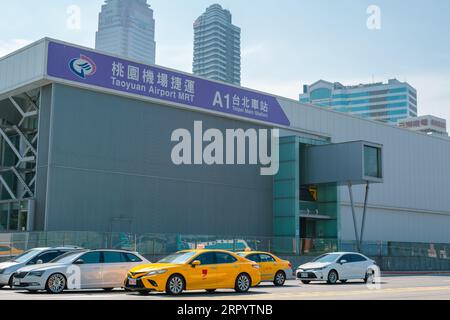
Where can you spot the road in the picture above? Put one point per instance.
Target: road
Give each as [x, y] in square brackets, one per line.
[391, 288]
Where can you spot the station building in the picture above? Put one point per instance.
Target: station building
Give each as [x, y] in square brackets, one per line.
[85, 145]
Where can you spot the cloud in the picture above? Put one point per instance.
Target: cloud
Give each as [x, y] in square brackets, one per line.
[12, 45]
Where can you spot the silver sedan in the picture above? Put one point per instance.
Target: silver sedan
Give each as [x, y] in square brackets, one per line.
[83, 269]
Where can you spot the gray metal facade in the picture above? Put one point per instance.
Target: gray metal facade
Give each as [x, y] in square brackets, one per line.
[107, 166]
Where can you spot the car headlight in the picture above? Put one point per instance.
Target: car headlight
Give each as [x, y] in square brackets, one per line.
[36, 273]
[156, 272]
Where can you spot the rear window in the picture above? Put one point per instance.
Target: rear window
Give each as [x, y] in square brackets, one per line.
[112, 257]
[129, 257]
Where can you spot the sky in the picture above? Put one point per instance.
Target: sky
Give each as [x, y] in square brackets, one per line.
[285, 43]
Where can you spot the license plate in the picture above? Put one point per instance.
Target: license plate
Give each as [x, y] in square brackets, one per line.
[304, 275]
[132, 282]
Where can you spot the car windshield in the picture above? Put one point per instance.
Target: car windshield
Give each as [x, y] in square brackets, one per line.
[178, 258]
[27, 255]
[67, 257]
[332, 257]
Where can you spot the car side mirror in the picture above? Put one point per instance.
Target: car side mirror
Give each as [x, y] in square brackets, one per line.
[79, 261]
[196, 263]
[39, 261]
[343, 262]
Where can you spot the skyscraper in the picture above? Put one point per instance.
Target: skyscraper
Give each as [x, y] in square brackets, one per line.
[127, 28]
[217, 46]
[385, 102]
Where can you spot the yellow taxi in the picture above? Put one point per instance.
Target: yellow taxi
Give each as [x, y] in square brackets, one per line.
[195, 270]
[272, 268]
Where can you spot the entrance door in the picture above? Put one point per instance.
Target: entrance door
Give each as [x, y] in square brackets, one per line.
[307, 233]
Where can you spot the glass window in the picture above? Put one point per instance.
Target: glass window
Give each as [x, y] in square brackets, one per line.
[207, 258]
[254, 257]
[372, 162]
[326, 258]
[26, 256]
[14, 217]
[358, 258]
[4, 209]
[178, 258]
[112, 257]
[91, 257]
[222, 258]
[346, 257]
[266, 258]
[129, 257]
[319, 94]
[45, 257]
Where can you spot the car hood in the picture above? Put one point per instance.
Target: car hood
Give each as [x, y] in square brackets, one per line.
[153, 266]
[42, 267]
[5, 265]
[314, 265]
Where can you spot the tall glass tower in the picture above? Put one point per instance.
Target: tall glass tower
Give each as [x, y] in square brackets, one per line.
[386, 102]
[217, 46]
[127, 28]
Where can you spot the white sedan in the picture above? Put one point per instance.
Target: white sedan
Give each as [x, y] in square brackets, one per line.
[337, 266]
[83, 269]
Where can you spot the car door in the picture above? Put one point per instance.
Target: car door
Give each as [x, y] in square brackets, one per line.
[268, 267]
[226, 270]
[255, 257]
[114, 269]
[361, 265]
[202, 276]
[90, 270]
[345, 268]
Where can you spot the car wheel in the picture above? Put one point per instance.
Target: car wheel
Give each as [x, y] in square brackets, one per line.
[369, 277]
[211, 290]
[243, 283]
[10, 282]
[280, 279]
[175, 285]
[56, 283]
[333, 277]
[306, 281]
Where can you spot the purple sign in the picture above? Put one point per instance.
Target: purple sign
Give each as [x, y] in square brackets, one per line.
[92, 68]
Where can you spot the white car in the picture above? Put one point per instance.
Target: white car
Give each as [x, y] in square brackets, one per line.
[29, 258]
[84, 269]
[337, 266]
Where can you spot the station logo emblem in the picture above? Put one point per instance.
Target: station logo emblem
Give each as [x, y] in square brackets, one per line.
[83, 66]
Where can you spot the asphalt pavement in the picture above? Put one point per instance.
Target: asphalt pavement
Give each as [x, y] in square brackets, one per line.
[426, 287]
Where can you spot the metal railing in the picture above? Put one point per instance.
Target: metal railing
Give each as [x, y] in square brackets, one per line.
[12, 244]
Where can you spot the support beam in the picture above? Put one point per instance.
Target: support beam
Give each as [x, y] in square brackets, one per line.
[364, 213]
[25, 140]
[355, 224]
[5, 185]
[8, 141]
[22, 181]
